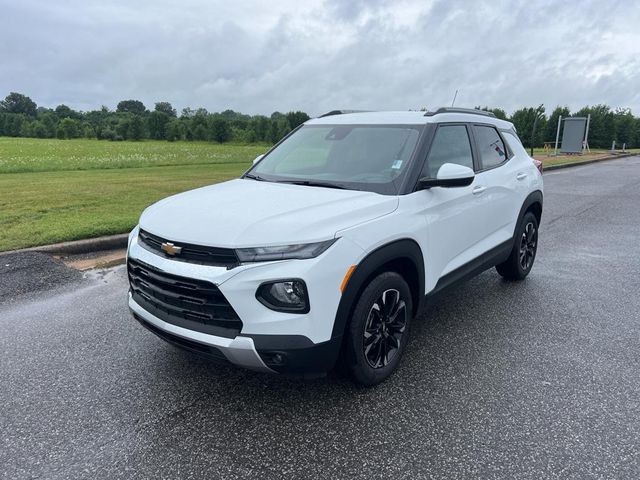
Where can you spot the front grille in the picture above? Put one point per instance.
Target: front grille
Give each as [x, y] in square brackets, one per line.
[214, 256]
[194, 304]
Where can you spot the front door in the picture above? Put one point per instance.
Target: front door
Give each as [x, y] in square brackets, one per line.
[455, 222]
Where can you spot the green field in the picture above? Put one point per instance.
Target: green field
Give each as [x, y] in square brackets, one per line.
[18, 155]
[58, 190]
[548, 159]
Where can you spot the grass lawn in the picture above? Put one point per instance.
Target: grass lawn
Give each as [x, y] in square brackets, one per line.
[57, 190]
[19, 155]
[85, 195]
[548, 160]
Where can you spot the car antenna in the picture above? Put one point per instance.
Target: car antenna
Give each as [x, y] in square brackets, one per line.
[454, 97]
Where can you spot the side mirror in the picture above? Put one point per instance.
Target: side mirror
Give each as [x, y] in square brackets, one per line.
[449, 175]
[257, 159]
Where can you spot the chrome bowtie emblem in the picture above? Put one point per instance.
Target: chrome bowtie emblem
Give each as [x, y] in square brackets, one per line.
[170, 249]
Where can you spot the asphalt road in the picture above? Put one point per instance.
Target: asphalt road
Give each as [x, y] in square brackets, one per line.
[539, 379]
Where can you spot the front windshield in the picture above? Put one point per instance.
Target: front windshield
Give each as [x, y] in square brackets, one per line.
[358, 157]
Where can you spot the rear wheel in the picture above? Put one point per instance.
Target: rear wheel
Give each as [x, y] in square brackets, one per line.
[379, 329]
[523, 254]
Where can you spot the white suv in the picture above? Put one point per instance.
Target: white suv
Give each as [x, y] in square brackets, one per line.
[325, 249]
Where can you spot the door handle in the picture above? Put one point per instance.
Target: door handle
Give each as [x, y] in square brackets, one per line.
[521, 176]
[478, 190]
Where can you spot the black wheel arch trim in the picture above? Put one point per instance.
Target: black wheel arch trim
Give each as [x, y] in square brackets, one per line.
[398, 250]
[533, 198]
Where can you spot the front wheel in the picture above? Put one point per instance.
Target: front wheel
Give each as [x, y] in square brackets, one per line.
[379, 329]
[525, 246]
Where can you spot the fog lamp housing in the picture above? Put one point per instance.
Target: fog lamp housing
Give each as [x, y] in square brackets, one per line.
[289, 296]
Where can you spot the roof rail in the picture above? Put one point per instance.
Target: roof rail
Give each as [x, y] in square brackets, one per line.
[472, 111]
[341, 112]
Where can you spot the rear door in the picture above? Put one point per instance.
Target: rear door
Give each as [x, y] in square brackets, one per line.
[497, 189]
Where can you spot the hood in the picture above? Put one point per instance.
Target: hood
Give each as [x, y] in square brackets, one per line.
[249, 213]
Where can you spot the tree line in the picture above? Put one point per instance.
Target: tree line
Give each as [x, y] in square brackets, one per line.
[606, 125]
[21, 117]
[131, 120]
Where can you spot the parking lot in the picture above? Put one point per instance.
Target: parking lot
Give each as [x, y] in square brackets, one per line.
[539, 379]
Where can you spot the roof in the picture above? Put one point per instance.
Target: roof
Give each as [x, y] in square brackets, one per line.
[405, 118]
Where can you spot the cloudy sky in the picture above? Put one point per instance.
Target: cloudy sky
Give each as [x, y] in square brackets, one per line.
[316, 55]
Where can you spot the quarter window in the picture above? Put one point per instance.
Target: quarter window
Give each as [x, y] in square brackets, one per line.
[450, 145]
[490, 145]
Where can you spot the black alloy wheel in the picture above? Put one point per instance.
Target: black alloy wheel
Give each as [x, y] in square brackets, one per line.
[523, 253]
[379, 329]
[385, 325]
[528, 244]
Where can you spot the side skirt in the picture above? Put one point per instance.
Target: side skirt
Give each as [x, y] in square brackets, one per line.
[469, 270]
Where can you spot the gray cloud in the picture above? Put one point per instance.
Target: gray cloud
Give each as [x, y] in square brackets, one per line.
[257, 57]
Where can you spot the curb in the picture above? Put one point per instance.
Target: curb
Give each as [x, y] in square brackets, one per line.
[586, 162]
[89, 245]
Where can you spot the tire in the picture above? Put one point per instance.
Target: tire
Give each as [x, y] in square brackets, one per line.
[523, 254]
[375, 343]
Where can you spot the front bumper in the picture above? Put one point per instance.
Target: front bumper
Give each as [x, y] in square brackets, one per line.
[268, 341]
[239, 351]
[285, 354]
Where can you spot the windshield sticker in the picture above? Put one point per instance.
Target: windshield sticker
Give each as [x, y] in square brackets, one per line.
[396, 164]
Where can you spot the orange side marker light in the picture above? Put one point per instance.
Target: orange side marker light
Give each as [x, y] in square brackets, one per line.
[346, 278]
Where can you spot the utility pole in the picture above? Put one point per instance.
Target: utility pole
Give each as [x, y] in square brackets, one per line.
[555, 153]
[533, 132]
[586, 135]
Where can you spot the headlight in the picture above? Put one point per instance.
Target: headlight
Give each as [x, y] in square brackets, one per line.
[283, 252]
[284, 296]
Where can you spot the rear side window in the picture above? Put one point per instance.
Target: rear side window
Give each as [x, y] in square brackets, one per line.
[490, 145]
[450, 145]
[513, 142]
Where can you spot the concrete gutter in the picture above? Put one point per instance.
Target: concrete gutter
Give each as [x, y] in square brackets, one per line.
[89, 245]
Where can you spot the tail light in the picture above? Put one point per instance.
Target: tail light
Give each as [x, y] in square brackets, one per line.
[538, 164]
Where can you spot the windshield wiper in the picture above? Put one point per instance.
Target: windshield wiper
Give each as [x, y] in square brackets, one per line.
[311, 183]
[254, 177]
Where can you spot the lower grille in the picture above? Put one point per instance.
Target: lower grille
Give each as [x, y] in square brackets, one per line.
[189, 303]
[208, 350]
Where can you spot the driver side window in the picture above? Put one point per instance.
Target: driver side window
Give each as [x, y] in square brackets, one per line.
[450, 145]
